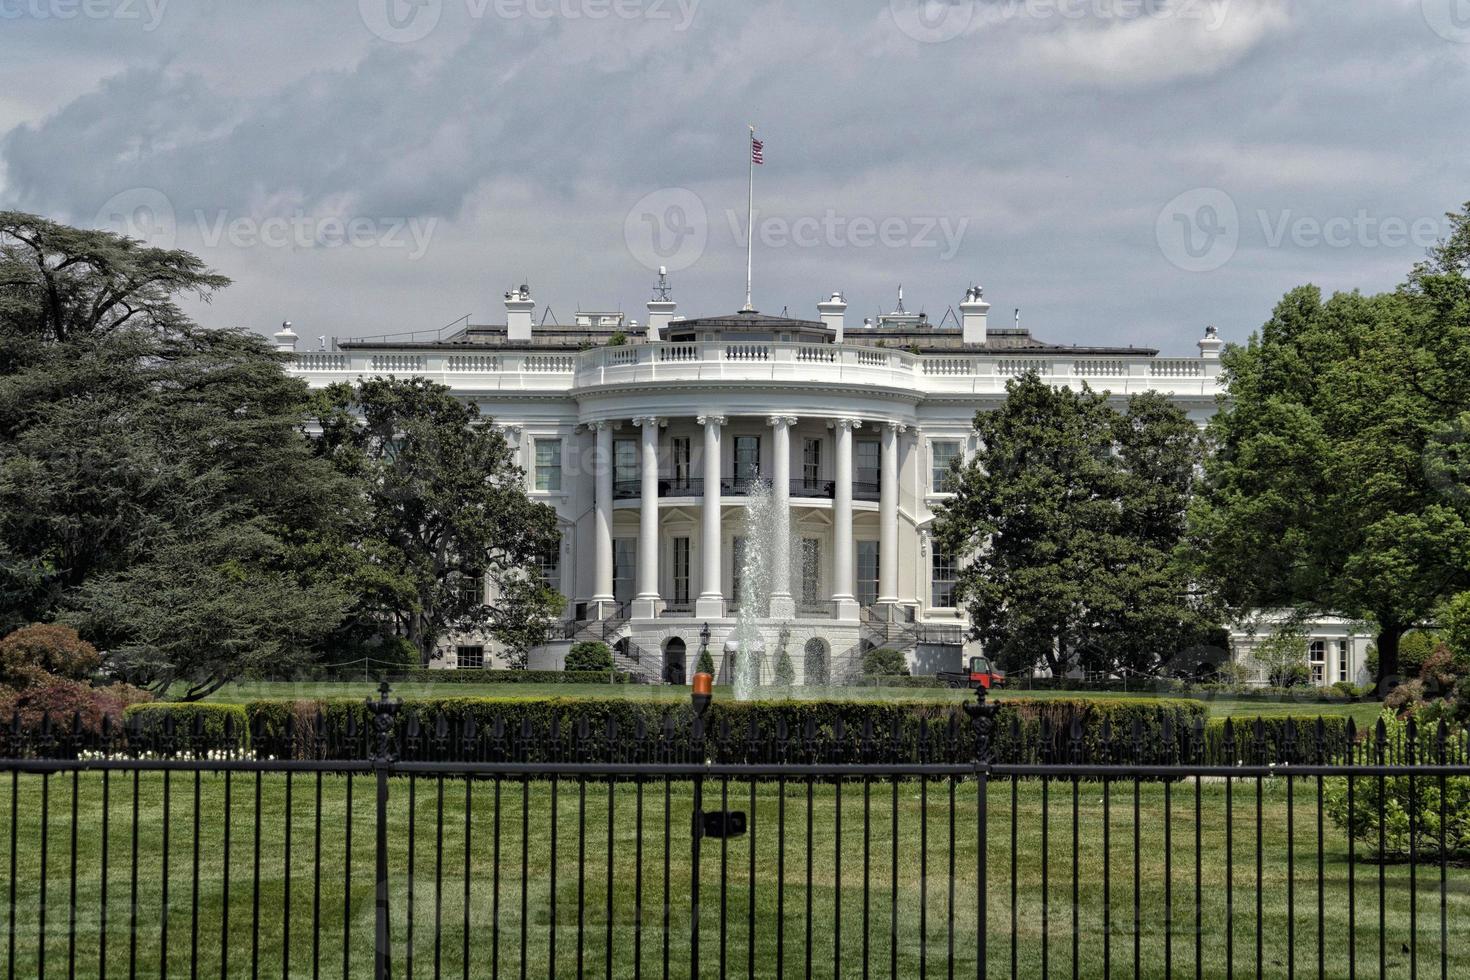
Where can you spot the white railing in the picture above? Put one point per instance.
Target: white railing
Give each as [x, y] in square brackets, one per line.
[1100, 368]
[953, 373]
[1015, 366]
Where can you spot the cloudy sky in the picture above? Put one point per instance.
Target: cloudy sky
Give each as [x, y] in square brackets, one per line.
[1124, 171]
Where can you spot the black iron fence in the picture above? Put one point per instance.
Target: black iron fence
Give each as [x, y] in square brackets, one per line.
[389, 843]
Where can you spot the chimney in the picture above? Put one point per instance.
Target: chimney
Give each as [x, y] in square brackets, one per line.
[1210, 345]
[661, 307]
[973, 313]
[286, 338]
[518, 308]
[832, 311]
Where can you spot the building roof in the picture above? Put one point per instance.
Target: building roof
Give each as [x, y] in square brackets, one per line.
[920, 336]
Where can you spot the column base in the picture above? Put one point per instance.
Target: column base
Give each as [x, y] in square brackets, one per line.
[709, 607]
[646, 607]
[601, 607]
[846, 607]
[783, 607]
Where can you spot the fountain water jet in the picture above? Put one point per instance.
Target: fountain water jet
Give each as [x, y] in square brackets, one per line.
[762, 538]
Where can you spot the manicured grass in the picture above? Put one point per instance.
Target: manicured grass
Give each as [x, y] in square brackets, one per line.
[816, 886]
[1362, 713]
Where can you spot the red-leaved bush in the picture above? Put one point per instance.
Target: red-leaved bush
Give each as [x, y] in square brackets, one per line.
[64, 699]
[45, 649]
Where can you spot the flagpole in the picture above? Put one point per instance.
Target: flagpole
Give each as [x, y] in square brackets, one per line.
[749, 216]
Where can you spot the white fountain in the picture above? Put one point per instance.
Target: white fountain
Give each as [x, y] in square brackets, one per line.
[763, 535]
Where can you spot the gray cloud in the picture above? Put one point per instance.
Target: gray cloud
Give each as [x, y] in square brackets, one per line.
[523, 141]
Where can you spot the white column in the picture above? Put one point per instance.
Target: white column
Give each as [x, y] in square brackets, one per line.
[842, 560]
[888, 516]
[782, 604]
[711, 601]
[647, 602]
[602, 464]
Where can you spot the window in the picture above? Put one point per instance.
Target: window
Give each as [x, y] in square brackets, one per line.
[737, 566]
[1317, 655]
[548, 565]
[867, 572]
[1342, 660]
[548, 464]
[942, 586]
[811, 462]
[679, 449]
[747, 458]
[625, 461]
[625, 551]
[811, 571]
[814, 665]
[943, 454]
[867, 457]
[469, 657]
[681, 571]
[470, 587]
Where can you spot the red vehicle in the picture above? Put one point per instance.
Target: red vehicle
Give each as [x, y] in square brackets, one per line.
[982, 673]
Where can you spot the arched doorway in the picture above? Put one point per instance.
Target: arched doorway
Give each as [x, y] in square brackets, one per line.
[816, 667]
[674, 661]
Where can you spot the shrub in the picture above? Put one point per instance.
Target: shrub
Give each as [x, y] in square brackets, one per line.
[1406, 695]
[1240, 741]
[47, 648]
[1415, 649]
[706, 663]
[1440, 672]
[1284, 655]
[470, 675]
[885, 663]
[589, 655]
[1396, 806]
[221, 726]
[72, 706]
[785, 670]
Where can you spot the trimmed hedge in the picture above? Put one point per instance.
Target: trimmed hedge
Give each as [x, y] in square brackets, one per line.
[221, 726]
[1281, 740]
[477, 675]
[551, 728]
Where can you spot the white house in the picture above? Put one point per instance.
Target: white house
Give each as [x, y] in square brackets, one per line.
[647, 439]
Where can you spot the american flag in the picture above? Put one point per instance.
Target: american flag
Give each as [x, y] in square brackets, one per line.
[757, 151]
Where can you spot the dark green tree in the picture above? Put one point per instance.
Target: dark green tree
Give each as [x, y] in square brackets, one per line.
[156, 487]
[1071, 516]
[446, 512]
[1336, 481]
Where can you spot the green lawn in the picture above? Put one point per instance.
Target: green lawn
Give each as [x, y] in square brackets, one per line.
[1043, 879]
[1362, 714]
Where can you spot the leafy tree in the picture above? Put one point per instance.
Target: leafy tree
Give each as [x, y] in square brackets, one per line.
[1454, 617]
[156, 487]
[1336, 481]
[1071, 515]
[445, 510]
[1284, 655]
[589, 655]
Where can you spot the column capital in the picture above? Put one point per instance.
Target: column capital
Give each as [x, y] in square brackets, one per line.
[848, 424]
[777, 421]
[896, 425]
[600, 424]
[711, 419]
[649, 420]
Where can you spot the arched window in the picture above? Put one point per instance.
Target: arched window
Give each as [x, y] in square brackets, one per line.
[815, 668]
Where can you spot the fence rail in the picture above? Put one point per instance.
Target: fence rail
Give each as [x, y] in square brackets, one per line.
[381, 842]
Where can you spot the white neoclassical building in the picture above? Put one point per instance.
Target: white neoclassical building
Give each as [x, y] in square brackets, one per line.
[646, 440]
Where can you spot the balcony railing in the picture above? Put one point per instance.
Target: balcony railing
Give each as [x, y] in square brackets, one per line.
[741, 487]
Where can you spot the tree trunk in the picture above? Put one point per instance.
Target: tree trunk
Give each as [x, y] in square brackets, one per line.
[1388, 657]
